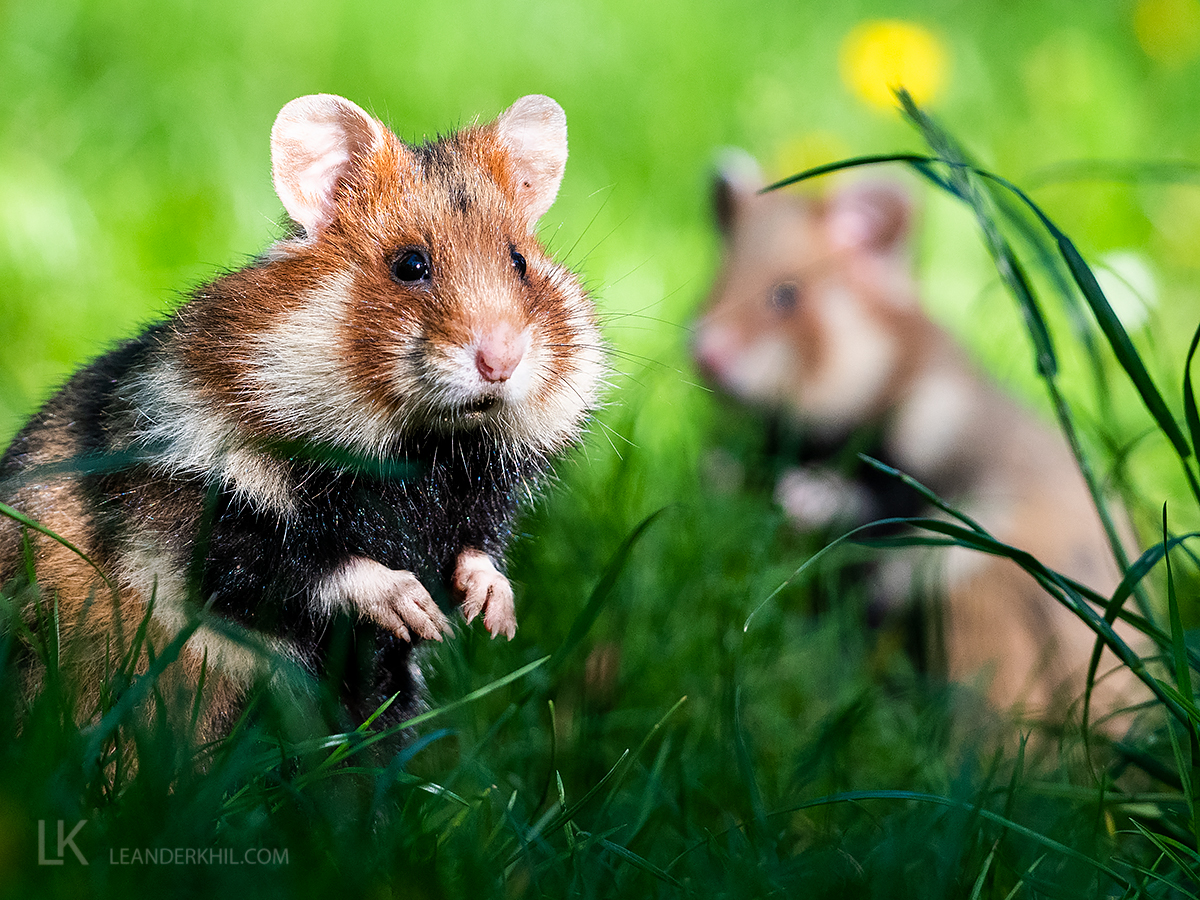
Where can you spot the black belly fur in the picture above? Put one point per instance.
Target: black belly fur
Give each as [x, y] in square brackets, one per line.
[261, 568]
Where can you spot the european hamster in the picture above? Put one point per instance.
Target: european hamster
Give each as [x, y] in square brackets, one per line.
[340, 432]
[815, 314]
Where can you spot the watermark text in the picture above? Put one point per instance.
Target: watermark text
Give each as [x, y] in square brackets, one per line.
[56, 853]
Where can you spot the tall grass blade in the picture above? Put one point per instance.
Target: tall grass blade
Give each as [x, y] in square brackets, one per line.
[1190, 414]
[914, 159]
[601, 592]
[1183, 680]
[639, 862]
[559, 815]
[1085, 279]
[1012, 273]
[977, 889]
[1118, 337]
[937, 800]
[1175, 851]
[633, 758]
[136, 693]
[1021, 881]
[466, 700]
[19, 516]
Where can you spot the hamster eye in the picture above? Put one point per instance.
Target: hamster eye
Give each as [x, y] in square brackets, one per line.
[412, 265]
[784, 296]
[518, 261]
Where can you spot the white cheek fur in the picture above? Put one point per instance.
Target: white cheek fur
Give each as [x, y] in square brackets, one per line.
[300, 384]
[858, 358]
[759, 372]
[186, 436]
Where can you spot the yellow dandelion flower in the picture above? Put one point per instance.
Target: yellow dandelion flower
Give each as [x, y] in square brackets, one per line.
[879, 56]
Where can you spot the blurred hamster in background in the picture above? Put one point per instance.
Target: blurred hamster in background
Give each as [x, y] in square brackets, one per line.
[328, 446]
[815, 315]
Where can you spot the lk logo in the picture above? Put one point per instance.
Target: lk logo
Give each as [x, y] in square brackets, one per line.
[65, 840]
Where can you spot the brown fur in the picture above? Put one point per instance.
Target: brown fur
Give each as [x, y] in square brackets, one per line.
[321, 347]
[856, 350]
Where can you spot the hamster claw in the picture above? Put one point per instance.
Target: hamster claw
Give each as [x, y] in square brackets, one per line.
[392, 598]
[411, 608]
[483, 589]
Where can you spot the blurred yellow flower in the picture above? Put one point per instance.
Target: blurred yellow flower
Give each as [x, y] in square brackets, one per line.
[879, 56]
[1168, 30]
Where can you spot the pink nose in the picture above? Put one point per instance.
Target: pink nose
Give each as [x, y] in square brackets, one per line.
[499, 352]
[711, 352]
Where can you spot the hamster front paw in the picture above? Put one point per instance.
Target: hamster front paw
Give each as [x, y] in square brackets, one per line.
[392, 598]
[816, 498]
[482, 588]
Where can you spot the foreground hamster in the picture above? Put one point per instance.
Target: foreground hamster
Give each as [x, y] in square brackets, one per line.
[323, 445]
[815, 315]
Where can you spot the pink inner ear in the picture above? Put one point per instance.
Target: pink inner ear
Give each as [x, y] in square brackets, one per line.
[534, 131]
[851, 228]
[868, 217]
[314, 143]
[309, 181]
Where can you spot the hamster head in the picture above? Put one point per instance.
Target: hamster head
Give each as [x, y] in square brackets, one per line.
[413, 295]
[812, 308]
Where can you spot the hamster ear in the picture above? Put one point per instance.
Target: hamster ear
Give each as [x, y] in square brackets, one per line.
[875, 216]
[534, 132]
[314, 144]
[737, 178]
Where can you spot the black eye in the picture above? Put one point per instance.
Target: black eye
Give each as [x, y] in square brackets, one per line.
[784, 296]
[412, 265]
[518, 261]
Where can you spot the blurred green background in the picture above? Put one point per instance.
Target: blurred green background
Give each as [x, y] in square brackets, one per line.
[134, 164]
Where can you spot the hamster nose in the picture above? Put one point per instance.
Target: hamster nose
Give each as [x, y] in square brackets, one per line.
[711, 352]
[500, 351]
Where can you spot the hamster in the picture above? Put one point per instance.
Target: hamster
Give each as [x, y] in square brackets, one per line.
[329, 445]
[815, 314]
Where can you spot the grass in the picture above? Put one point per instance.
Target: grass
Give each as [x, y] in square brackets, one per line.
[650, 739]
[638, 738]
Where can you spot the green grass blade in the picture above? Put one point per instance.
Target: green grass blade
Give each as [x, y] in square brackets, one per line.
[633, 758]
[474, 695]
[1190, 414]
[558, 816]
[1085, 279]
[811, 563]
[19, 516]
[1014, 276]
[601, 592]
[912, 159]
[1062, 589]
[1021, 881]
[746, 767]
[934, 799]
[1118, 339]
[1175, 851]
[1011, 272]
[1183, 675]
[639, 862]
[1110, 324]
[1183, 680]
[930, 497]
[141, 687]
[977, 890]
